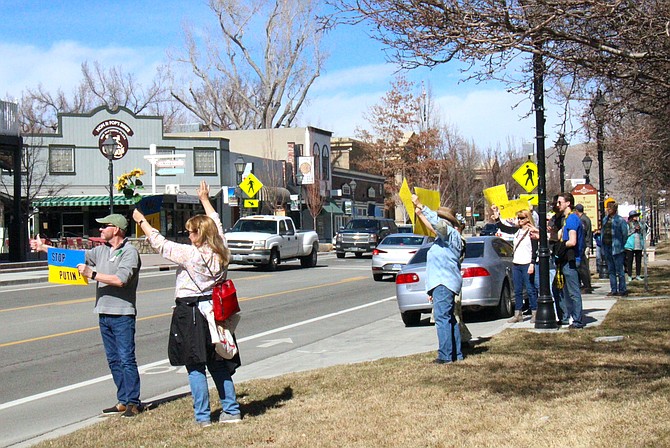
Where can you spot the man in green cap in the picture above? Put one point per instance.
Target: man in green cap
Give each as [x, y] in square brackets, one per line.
[115, 266]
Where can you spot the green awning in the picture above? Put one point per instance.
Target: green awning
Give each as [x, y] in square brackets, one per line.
[81, 201]
[331, 207]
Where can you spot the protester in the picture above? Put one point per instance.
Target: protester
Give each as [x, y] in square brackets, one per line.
[201, 265]
[584, 272]
[525, 255]
[443, 278]
[568, 253]
[613, 239]
[637, 232]
[117, 266]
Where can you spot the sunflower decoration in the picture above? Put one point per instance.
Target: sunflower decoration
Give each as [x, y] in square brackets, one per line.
[129, 183]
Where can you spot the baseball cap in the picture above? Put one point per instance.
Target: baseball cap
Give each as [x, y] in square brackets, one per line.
[579, 208]
[119, 221]
[633, 213]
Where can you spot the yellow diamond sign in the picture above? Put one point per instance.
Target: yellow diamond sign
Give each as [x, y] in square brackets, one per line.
[251, 185]
[527, 176]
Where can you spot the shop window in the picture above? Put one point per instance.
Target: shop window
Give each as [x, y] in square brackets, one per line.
[325, 163]
[61, 160]
[204, 162]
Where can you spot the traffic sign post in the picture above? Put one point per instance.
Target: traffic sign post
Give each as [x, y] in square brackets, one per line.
[168, 162]
[251, 185]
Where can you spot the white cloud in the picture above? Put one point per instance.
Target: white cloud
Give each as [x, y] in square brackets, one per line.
[59, 66]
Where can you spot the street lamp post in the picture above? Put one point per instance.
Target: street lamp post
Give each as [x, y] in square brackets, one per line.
[586, 163]
[239, 171]
[562, 148]
[352, 184]
[298, 178]
[108, 149]
[598, 107]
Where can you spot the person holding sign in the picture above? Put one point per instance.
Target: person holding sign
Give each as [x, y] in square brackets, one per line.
[115, 266]
[201, 265]
[444, 280]
[525, 253]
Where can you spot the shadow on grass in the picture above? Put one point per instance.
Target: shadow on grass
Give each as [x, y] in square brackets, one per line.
[156, 403]
[260, 407]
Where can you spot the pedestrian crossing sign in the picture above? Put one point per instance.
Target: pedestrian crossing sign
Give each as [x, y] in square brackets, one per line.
[251, 203]
[527, 176]
[251, 185]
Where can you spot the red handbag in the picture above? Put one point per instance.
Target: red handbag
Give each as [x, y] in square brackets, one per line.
[224, 300]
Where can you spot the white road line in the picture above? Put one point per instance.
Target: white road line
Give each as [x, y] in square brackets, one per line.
[49, 393]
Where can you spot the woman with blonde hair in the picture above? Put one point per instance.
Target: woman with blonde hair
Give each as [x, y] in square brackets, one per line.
[201, 265]
[525, 253]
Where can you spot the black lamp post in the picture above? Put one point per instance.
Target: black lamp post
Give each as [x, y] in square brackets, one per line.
[562, 148]
[586, 163]
[352, 185]
[239, 170]
[298, 178]
[108, 149]
[598, 107]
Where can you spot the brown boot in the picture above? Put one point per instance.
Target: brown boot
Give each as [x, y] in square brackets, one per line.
[518, 317]
[533, 314]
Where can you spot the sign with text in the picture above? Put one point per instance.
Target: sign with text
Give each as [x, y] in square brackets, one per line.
[63, 266]
[496, 195]
[587, 195]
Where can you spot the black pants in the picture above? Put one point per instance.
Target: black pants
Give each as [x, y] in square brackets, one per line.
[584, 272]
[629, 262]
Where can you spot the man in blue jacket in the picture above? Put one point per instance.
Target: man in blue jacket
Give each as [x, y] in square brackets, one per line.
[571, 240]
[613, 239]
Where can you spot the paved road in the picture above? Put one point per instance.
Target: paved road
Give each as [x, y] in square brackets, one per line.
[294, 319]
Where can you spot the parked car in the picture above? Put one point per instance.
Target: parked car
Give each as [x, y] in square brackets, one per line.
[362, 235]
[394, 252]
[487, 280]
[488, 230]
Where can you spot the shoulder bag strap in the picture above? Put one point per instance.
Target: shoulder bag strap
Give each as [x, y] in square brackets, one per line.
[521, 239]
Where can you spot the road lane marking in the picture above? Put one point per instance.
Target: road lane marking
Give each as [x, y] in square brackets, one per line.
[83, 330]
[92, 299]
[49, 393]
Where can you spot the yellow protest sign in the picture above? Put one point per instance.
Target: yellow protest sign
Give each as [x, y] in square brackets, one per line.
[154, 221]
[406, 198]
[496, 195]
[251, 185]
[431, 199]
[526, 176]
[510, 209]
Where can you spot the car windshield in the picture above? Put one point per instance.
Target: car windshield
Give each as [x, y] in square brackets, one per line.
[402, 241]
[473, 249]
[361, 224]
[249, 225]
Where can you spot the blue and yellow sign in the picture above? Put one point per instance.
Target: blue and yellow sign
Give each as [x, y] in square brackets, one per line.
[63, 266]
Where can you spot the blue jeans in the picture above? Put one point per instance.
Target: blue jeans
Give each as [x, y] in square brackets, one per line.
[448, 332]
[615, 265]
[118, 338]
[197, 379]
[572, 294]
[521, 280]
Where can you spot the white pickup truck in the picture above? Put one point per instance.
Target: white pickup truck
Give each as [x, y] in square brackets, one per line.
[268, 240]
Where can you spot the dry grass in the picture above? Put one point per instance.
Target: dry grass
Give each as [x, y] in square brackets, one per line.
[519, 389]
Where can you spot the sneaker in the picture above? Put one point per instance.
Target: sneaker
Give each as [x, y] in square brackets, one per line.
[575, 327]
[624, 294]
[638, 278]
[230, 418]
[131, 411]
[204, 424]
[610, 294]
[117, 408]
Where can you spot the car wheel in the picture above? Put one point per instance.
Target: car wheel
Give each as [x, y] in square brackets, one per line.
[506, 305]
[378, 277]
[309, 261]
[274, 260]
[340, 254]
[359, 254]
[411, 318]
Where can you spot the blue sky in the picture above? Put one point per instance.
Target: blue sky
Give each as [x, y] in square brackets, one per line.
[46, 42]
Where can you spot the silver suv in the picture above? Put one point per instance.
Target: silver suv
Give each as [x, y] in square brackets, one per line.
[362, 235]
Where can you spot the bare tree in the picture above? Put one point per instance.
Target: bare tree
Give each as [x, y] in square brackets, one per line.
[242, 86]
[98, 87]
[314, 201]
